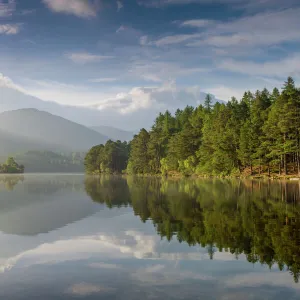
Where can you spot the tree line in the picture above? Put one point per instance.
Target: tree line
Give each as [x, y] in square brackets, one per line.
[259, 219]
[109, 158]
[49, 161]
[258, 134]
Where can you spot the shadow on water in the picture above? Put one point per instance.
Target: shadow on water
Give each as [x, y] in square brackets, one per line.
[260, 219]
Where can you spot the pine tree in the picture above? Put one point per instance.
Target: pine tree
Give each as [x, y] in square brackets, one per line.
[208, 102]
[139, 158]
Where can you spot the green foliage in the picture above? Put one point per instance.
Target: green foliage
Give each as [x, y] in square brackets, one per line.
[11, 167]
[109, 158]
[139, 158]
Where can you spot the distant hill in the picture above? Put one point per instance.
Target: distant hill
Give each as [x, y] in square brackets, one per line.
[11, 143]
[114, 133]
[31, 129]
[51, 162]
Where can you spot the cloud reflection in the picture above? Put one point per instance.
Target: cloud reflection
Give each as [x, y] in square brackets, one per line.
[86, 289]
[129, 244]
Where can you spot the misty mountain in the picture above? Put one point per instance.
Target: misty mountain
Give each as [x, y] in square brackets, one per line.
[12, 99]
[12, 143]
[114, 133]
[51, 162]
[31, 129]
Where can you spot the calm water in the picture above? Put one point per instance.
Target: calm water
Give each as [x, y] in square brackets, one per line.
[71, 237]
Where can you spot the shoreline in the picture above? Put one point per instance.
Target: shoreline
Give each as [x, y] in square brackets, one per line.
[195, 176]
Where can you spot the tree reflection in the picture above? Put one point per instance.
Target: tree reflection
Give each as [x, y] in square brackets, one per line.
[260, 219]
[10, 182]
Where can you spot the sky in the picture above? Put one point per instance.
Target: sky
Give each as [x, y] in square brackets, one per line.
[136, 55]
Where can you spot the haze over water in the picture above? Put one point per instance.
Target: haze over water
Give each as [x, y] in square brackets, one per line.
[76, 237]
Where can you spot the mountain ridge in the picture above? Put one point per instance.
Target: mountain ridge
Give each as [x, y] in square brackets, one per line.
[46, 131]
[13, 99]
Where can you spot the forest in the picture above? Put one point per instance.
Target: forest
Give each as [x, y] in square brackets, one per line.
[51, 162]
[258, 135]
[258, 219]
[11, 167]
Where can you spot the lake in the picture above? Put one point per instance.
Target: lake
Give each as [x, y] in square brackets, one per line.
[76, 237]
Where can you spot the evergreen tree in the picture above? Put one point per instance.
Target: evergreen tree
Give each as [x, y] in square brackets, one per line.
[139, 158]
[208, 102]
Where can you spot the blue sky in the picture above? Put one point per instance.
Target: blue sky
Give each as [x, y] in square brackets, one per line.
[132, 55]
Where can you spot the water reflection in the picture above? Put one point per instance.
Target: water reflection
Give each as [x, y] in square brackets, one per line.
[256, 218]
[8, 182]
[38, 204]
[70, 237]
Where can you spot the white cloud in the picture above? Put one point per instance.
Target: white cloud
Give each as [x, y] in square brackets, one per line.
[129, 30]
[262, 29]
[197, 23]
[9, 29]
[256, 279]
[66, 94]
[7, 82]
[161, 3]
[289, 66]
[87, 289]
[144, 40]
[256, 5]
[154, 269]
[225, 92]
[244, 4]
[7, 8]
[102, 80]
[163, 274]
[162, 71]
[104, 266]
[273, 81]
[121, 28]
[120, 5]
[152, 99]
[85, 57]
[132, 101]
[174, 39]
[79, 8]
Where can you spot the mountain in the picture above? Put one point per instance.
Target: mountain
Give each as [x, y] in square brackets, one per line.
[10, 143]
[31, 129]
[114, 133]
[51, 162]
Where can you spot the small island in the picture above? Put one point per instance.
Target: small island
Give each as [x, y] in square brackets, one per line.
[11, 167]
